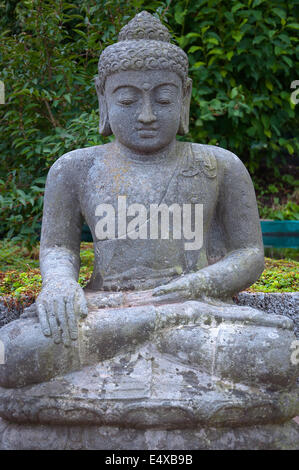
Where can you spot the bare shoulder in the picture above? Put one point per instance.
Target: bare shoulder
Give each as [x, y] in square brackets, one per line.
[227, 162]
[227, 159]
[76, 163]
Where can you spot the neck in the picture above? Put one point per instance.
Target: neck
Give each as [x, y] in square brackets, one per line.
[161, 155]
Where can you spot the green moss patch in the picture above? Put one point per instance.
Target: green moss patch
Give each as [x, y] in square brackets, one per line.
[20, 279]
[278, 276]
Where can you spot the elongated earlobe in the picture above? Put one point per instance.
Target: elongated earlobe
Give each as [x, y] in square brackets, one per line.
[104, 126]
[185, 109]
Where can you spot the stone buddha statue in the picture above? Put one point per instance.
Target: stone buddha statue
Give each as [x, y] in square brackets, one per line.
[154, 344]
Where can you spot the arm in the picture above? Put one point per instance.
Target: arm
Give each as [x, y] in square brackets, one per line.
[238, 214]
[61, 298]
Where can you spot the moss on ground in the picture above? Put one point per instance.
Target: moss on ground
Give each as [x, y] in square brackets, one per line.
[279, 276]
[20, 277]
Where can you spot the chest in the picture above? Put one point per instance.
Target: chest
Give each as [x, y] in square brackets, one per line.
[188, 179]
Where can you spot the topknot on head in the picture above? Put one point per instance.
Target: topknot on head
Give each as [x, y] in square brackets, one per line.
[143, 44]
[144, 26]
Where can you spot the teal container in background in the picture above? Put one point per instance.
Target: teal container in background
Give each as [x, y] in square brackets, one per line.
[281, 233]
[86, 234]
[277, 233]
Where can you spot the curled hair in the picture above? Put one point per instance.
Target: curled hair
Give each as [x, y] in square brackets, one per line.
[143, 45]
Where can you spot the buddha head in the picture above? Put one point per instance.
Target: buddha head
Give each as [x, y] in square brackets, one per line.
[143, 87]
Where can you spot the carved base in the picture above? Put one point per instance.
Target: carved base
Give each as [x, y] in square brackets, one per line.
[51, 437]
[181, 376]
[146, 389]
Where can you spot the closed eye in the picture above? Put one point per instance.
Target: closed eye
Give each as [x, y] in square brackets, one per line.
[163, 101]
[126, 102]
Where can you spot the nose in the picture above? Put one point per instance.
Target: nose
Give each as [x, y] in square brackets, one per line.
[146, 116]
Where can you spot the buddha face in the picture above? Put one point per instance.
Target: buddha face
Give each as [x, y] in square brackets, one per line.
[144, 108]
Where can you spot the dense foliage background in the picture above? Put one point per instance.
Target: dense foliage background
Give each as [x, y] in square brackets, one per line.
[243, 58]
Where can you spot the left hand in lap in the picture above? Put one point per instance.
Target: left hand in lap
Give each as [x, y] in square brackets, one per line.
[186, 287]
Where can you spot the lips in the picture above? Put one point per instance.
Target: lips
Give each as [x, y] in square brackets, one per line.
[147, 131]
[147, 128]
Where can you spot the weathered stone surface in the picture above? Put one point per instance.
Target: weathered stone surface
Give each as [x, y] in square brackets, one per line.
[144, 94]
[181, 361]
[42, 437]
[172, 365]
[286, 303]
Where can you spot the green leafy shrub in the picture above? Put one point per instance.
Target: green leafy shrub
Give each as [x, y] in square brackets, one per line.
[289, 211]
[243, 58]
[282, 253]
[279, 201]
[14, 256]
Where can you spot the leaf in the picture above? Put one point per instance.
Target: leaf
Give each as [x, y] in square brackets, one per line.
[290, 149]
[279, 12]
[257, 3]
[287, 60]
[179, 14]
[216, 51]
[68, 98]
[81, 33]
[237, 35]
[193, 35]
[268, 133]
[293, 25]
[212, 40]
[194, 49]
[237, 7]
[198, 64]
[259, 39]
[234, 92]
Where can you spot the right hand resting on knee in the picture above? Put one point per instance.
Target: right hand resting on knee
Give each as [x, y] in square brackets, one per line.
[59, 306]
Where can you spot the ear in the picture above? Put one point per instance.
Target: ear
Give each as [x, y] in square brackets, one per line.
[185, 109]
[104, 126]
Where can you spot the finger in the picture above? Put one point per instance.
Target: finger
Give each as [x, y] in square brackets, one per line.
[61, 320]
[169, 297]
[71, 318]
[81, 304]
[43, 319]
[163, 290]
[160, 299]
[176, 286]
[53, 322]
